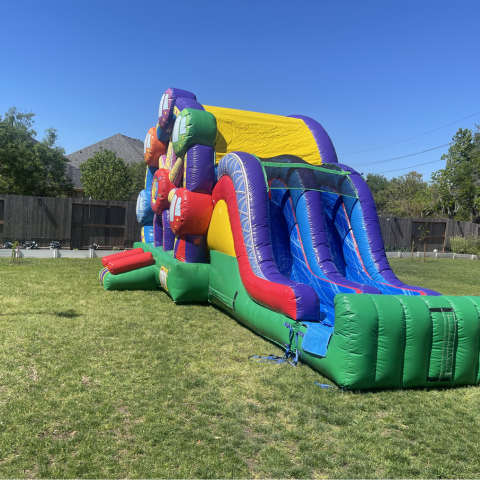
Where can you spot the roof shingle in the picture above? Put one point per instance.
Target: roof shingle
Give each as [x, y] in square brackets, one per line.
[130, 149]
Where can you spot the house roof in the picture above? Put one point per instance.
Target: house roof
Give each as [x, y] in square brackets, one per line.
[130, 149]
[74, 174]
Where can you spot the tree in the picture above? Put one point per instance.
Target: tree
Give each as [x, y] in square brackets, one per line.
[457, 186]
[404, 196]
[106, 177]
[29, 167]
[23, 122]
[137, 174]
[50, 140]
[377, 183]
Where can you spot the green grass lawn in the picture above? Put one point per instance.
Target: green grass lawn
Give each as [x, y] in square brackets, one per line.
[97, 384]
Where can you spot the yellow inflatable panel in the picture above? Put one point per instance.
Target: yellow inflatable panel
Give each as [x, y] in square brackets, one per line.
[219, 235]
[263, 135]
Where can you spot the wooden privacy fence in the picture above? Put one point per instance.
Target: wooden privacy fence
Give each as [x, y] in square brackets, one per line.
[74, 222]
[400, 232]
[77, 223]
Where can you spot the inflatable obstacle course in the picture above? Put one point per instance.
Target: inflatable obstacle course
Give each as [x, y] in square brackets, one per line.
[252, 212]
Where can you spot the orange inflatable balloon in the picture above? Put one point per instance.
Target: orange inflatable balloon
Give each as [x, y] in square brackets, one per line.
[153, 148]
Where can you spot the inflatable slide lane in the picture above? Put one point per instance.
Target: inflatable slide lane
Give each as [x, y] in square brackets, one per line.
[253, 213]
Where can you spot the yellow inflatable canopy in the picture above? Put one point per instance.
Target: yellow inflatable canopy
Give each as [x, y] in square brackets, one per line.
[263, 135]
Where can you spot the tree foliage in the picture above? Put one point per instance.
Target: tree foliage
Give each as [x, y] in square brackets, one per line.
[453, 192]
[457, 186]
[106, 177]
[377, 183]
[29, 167]
[137, 173]
[404, 196]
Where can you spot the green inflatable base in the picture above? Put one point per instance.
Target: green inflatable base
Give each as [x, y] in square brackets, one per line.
[184, 282]
[379, 341]
[140, 279]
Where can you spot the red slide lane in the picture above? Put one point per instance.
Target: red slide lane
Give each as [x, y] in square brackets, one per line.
[275, 296]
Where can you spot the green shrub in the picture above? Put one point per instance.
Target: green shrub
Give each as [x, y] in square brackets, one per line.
[14, 250]
[396, 248]
[469, 245]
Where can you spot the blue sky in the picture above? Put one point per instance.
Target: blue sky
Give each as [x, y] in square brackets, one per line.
[371, 72]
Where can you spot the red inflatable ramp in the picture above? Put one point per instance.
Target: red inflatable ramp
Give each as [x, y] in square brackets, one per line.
[115, 256]
[132, 262]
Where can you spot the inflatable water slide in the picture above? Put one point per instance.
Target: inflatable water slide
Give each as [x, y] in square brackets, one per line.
[253, 213]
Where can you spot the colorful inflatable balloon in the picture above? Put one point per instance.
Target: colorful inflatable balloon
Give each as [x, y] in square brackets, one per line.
[153, 148]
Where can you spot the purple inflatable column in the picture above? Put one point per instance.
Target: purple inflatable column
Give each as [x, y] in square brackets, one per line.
[191, 248]
[199, 169]
[157, 231]
[198, 177]
[168, 235]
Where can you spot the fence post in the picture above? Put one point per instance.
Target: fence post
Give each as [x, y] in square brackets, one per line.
[130, 219]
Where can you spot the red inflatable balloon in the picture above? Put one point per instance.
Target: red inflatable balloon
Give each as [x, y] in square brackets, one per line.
[161, 187]
[190, 212]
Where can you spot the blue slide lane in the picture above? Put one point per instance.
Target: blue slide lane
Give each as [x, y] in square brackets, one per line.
[345, 220]
[349, 258]
[365, 226]
[324, 232]
[299, 220]
[292, 233]
[320, 237]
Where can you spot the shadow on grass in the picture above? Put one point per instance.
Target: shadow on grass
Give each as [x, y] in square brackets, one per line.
[65, 314]
[68, 314]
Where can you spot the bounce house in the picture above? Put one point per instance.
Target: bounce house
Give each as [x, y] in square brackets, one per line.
[253, 213]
